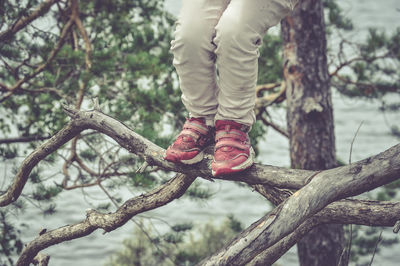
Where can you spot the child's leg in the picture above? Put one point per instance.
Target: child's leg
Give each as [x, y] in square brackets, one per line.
[194, 57]
[194, 60]
[238, 36]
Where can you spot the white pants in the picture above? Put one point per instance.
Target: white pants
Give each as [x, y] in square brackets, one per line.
[216, 54]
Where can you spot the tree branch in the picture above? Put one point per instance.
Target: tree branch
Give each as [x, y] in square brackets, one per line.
[258, 174]
[158, 197]
[41, 67]
[324, 188]
[23, 139]
[24, 21]
[267, 100]
[348, 211]
[20, 179]
[290, 219]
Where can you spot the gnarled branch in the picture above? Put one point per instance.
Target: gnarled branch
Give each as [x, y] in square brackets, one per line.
[276, 231]
[325, 187]
[160, 196]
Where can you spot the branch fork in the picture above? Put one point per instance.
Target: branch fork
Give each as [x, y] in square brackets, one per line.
[320, 195]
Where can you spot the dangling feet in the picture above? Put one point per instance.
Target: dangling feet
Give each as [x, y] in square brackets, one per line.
[190, 143]
[233, 152]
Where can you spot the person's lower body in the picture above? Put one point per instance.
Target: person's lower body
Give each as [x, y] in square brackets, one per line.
[216, 57]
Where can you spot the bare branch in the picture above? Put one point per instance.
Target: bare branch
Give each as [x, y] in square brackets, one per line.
[324, 188]
[269, 99]
[20, 179]
[289, 219]
[267, 87]
[376, 247]
[41, 67]
[396, 227]
[362, 212]
[158, 197]
[274, 126]
[23, 139]
[367, 87]
[24, 21]
[357, 59]
[258, 174]
[79, 25]
[55, 91]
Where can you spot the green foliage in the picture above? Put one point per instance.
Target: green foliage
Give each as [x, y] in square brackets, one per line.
[10, 240]
[335, 17]
[395, 130]
[141, 180]
[34, 177]
[373, 71]
[364, 69]
[389, 192]
[270, 63]
[364, 241]
[104, 207]
[258, 130]
[181, 227]
[130, 74]
[180, 246]
[43, 193]
[198, 192]
[8, 152]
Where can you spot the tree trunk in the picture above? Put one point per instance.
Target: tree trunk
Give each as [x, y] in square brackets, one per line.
[310, 118]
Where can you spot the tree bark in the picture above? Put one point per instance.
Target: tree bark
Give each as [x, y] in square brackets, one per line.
[310, 117]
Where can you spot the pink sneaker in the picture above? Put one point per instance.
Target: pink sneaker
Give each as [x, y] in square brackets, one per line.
[233, 152]
[190, 143]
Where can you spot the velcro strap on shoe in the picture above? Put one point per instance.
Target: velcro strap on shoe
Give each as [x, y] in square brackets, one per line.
[233, 133]
[231, 143]
[190, 133]
[195, 126]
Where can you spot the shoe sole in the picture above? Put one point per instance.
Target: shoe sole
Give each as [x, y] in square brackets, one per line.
[243, 166]
[196, 159]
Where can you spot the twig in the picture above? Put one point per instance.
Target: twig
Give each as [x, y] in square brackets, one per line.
[23, 139]
[96, 105]
[270, 99]
[88, 48]
[350, 242]
[41, 260]
[376, 247]
[24, 21]
[371, 86]
[57, 92]
[142, 168]
[267, 87]
[355, 59]
[351, 227]
[41, 67]
[352, 141]
[274, 126]
[396, 227]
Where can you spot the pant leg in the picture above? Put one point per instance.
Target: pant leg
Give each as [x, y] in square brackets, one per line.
[239, 34]
[194, 57]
